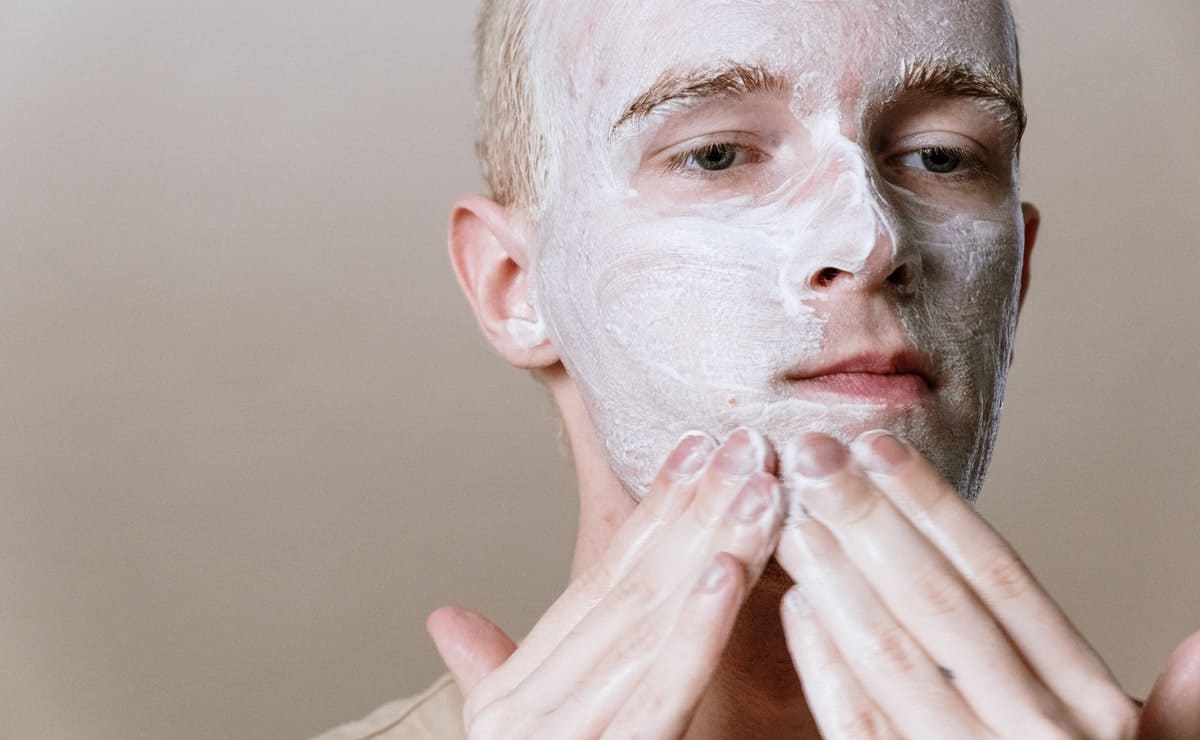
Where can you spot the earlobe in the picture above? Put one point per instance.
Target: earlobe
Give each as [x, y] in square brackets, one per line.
[490, 255]
[1033, 221]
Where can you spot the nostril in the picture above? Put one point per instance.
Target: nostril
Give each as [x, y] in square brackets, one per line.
[826, 277]
[902, 275]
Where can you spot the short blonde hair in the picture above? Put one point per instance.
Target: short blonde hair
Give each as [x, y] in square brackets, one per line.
[510, 148]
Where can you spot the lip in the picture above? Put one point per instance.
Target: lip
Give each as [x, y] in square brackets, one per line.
[893, 378]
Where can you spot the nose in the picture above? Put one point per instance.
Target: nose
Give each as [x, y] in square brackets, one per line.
[852, 242]
[885, 269]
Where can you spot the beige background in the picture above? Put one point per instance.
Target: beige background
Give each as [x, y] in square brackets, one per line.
[249, 435]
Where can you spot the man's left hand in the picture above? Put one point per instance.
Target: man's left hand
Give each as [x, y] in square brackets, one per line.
[912, 617]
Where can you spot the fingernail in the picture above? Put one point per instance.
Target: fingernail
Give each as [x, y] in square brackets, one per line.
[714, 578]
[687, 460]
[754, 499]
[740, 456]
[883, 452]
[818, 456]
[795, 602]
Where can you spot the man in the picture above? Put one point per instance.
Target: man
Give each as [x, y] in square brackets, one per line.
[779, 245]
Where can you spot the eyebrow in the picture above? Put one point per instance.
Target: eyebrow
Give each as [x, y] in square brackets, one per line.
[723, 80]
[937, 77]
[991, 86]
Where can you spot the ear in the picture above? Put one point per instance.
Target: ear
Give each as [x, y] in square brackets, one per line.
[490, 253]
[1033, 220]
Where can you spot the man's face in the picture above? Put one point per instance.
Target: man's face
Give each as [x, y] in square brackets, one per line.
[780, 214]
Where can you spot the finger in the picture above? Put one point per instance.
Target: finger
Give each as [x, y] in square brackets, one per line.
[664, 700]
[895, 671]
[838, 702]
[469, 644]
[672, 491]
[665, 661]
[1043, 635]
[1172, 711]
[923, 591]
[624, 631]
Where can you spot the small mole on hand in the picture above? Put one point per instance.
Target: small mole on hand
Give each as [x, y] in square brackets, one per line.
[733, 401]
[946, 673]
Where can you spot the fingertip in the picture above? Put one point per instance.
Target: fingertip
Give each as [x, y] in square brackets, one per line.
[469, 644]
[438, 619]
[880, 451]
[688, 458]
[1187, 654]
[1183, 670]
[813, 457]
[1173, 708]
[444, 624]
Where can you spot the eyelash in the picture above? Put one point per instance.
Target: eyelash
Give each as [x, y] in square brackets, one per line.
[969, 165]
[686, 161]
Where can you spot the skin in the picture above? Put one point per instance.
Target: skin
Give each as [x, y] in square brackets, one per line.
[909, 616]
[636, 252]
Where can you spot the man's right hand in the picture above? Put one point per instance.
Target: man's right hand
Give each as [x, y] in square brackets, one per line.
[631, 645]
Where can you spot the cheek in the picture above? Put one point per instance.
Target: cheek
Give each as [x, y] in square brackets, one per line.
[967, 310]
[668, 325]
[689, 298]
[700, 301]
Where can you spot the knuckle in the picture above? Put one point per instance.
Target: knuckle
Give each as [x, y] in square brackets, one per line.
[893, 648]
[641, 641]
[710, 504]
[858, 507]
[931, 498]
[819, 659]
[493, 723]
[815, 544]
[747, 544]
[635, 591]
[938, 593]
[650, 703]
[865, 723]
[599, 578]
[478, 701]
[1001, 574]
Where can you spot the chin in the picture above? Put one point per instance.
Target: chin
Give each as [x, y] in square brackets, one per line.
[949, 434]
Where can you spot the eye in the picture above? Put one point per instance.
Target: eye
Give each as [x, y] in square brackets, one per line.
[938, 160]
[715, 157]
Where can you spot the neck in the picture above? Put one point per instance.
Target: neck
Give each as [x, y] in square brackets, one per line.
[754, 692]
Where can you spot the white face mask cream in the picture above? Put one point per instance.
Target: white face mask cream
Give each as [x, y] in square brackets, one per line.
[745, 194]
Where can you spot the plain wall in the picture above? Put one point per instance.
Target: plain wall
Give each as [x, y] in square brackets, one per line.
[250, 435]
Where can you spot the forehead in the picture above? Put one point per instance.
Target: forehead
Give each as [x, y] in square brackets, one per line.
[596, 57]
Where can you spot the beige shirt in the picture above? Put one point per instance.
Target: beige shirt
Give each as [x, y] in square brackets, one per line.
[435, 714]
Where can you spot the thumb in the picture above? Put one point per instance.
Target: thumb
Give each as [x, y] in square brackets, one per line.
[470, 645]
[1173, 710]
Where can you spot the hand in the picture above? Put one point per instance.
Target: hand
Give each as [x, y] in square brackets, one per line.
[911, 617]
[630, 646]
